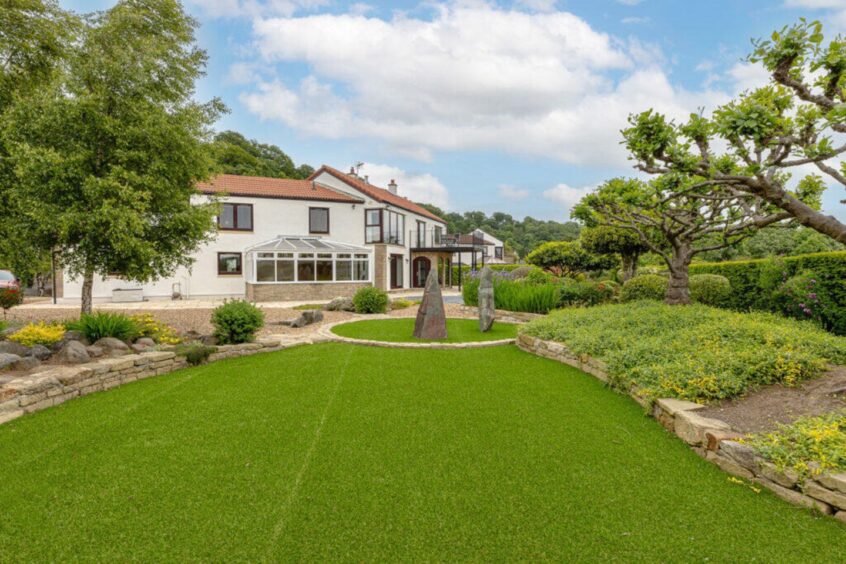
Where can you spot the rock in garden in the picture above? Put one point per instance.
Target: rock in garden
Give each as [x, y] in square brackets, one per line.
[11, 347]
[7, 360]
[40, 352]
[68, 337]
[487, 311]
[73, 353]
[26, 363]
[94, 352]
[431, 318]
[209, 340]
[146, 342]
[340, 304]
[112, 346]
[312, 316]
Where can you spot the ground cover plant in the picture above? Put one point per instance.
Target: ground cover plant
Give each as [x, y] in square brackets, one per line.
[694, 352]
[339, 452]
[809, 446]
[38, 334]
[400, 330]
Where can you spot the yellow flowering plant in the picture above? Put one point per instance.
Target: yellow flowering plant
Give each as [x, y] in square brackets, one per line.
[39, 334]
[149, 326]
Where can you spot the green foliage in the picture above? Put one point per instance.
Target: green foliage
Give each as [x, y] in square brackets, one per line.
[370, 300]
[644, 287]
[3, 326]
[235, 154]
[108, 155]
[9, 298]
[809, 446]
[537, 276]
[236, 321]
[401, 330]
[149, 326]
[710, 289]
[587, 292]
[754, 283]
[401, 303]
[516, 295]
[100, 324]
[803, 297]
[566, 258]
[195, 353]
[773, 242]
[696, 352]
[40, 333]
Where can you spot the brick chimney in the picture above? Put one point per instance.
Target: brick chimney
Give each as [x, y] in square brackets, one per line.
[392, 187]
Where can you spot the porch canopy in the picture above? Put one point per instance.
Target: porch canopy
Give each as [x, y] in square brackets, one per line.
[292, 259]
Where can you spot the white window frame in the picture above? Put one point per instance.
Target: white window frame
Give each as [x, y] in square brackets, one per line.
[355, 258]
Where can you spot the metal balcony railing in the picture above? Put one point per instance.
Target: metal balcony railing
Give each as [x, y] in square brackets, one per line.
[436, 239]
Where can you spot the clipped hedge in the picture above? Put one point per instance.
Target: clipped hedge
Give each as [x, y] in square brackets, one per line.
[710, 289]
[755, 282]
[644, 287]
[695, 352]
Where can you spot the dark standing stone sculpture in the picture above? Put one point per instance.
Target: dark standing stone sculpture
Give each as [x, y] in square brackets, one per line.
[487, 311]
[431, 318]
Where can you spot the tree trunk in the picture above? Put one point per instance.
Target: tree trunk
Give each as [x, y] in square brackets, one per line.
[678, 291]
[87, 289]
[629, 266]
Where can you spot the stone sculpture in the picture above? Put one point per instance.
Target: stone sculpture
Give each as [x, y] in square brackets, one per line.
[487, 311]
[431, 317]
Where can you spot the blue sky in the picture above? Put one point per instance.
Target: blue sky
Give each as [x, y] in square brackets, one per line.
[507, 106]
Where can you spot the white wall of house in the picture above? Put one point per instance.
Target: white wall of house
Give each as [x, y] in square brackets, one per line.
[271, 218]
[489, 250]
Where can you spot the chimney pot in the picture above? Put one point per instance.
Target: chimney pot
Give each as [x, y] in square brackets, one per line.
[392, 187]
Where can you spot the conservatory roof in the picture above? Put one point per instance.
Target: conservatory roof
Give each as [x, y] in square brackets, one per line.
[300, 244]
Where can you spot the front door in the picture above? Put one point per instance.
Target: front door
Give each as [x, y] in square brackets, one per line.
[420, 268]
[396, 271]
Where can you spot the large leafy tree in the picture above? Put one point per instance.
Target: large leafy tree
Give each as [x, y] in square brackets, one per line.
[678, 217]
[752, 144]
[235, 154]
[604, 240]
[33, 36]
[108, 157]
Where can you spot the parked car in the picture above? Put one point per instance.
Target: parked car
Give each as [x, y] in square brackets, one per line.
[8, 280]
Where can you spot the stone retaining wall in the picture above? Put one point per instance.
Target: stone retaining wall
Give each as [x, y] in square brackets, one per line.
[713, 439]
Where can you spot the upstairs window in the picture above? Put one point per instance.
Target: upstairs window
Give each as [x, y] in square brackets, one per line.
[373, 226]
[498, 252]
[318, 220]
[236, 217]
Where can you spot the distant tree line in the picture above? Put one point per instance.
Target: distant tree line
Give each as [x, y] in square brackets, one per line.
[235, 154]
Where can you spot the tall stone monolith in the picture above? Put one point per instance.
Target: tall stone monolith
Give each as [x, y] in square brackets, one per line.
[487, 310]
[431, 318]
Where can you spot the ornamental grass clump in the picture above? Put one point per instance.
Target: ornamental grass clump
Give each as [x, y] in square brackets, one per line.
[695, 352]
[514, 295]
[38, 334]
[95, 326]
[809, 446]
[236, 321]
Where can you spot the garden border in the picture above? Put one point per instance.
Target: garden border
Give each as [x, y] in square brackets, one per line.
[326, 331]
[713, 439]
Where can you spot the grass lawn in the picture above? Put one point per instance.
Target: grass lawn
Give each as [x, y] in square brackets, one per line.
[341, 452]
[400, 330]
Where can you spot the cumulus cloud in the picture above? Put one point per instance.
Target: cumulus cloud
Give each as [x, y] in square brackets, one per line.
[471, 77]
[566, 195]
[513, 193]
[422, 187]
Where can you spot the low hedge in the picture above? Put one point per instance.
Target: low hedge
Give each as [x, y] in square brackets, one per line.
[696, 352]
[754, 283]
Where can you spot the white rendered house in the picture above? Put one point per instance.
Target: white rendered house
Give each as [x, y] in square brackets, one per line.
[492, 249]
[284, 239]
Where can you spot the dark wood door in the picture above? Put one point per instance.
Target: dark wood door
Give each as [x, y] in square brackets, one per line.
[420, 268]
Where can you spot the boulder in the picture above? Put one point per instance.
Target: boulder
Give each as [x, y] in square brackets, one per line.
[312, 316]
[340, 304]
[112, 346]
[741, 453]
[94, 352]
[146, 342]
[26, 363]
[11, 347]
[7, 360]
[73, 353]
[68, 337]
[40, 352]
[431, 317]
[487, 310]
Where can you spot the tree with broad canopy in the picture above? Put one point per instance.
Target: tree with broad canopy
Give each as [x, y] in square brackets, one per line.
[604, 240]
[678, 217]
[768, 132]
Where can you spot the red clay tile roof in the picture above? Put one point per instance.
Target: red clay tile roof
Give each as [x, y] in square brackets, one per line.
[378, 194]
[283, 188]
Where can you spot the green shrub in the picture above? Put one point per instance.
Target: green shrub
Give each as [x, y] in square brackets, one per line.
[100, 324]
[9, 298]
[370, 300]
[40, 333]
[522, 272]
[754, 282]
[809, 445]
[3, 326]
[236, 321]
[587, 292]
[710, 289]
[195, 353]
[644, 287]
[802, 297]
[697, 353]
[537, 276]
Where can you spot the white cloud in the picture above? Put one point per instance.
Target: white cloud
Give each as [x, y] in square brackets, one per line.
[537, 5]
[748, 76]
[566, 195]
[513, 193]
[423, 187]
[634, 20]
[473, 77]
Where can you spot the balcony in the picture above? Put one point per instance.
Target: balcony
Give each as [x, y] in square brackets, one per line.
[436, 240]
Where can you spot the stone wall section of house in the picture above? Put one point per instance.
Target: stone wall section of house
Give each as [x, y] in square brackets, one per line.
[302, 291]
[380, 266]
[714, 440]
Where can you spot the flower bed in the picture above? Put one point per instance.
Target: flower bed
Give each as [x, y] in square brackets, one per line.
[694, 352]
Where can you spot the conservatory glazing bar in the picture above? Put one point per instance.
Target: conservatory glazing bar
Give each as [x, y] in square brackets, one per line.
[287, 260]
